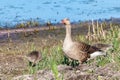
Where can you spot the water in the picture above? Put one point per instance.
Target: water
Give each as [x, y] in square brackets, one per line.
[17, 11]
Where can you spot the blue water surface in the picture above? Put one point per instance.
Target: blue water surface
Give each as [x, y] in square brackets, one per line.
[16, 11]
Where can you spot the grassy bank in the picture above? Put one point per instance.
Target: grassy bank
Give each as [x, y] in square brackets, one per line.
[49, 42]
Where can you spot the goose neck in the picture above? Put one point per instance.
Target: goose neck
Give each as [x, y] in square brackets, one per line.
[68, 33]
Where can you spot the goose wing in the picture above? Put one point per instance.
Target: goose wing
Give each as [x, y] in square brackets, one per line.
[86, 48]
[103, 47]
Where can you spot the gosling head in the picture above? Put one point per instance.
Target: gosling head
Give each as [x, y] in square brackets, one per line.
[65, 21]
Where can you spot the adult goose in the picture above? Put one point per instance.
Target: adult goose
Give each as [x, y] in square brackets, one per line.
[34, 57]
[78, 50]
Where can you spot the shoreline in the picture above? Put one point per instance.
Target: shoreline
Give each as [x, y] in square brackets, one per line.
[15, 30]
[111, 19]
[9, 31]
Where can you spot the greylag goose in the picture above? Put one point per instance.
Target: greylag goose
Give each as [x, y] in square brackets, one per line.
[78, 50]
[34, 57]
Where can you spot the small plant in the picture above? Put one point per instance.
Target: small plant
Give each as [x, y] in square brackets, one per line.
[36, 31]
[54, 69]
[69, 62]
[66, 61]
[96, 32]
[102, 61]
[28, 24]
[22, 25]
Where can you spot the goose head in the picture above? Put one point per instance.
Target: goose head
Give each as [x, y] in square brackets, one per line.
[65, 21]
